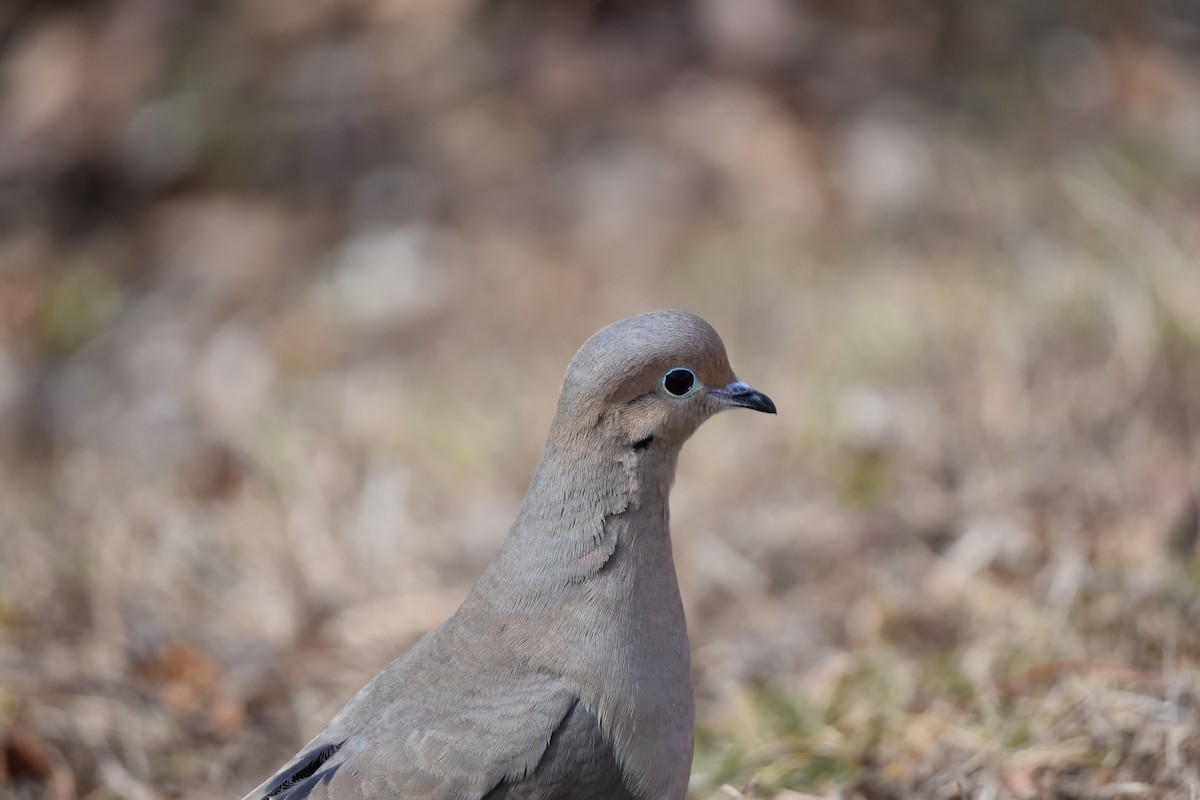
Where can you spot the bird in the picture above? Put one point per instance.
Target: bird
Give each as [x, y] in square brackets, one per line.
[566, 672]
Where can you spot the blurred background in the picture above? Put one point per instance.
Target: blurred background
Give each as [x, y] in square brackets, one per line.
[287, 289]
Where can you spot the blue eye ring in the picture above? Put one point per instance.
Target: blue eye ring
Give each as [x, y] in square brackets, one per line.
[679, 381]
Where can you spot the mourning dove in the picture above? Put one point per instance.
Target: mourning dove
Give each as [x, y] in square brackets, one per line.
[565, 673]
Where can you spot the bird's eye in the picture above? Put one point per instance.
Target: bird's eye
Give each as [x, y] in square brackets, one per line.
[679, 381]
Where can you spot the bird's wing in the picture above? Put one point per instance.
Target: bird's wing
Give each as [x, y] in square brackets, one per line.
[434, 724]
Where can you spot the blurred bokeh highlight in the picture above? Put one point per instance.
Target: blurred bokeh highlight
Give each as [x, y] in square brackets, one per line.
[287, 289]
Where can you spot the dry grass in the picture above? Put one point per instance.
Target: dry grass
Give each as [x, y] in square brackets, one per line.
[258, 436]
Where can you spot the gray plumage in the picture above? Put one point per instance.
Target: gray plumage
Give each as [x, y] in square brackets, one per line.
[565, 673]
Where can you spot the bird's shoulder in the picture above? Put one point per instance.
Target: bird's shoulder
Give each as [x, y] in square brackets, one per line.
[431, 725]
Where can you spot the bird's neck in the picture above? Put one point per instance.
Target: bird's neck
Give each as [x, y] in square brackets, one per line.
[589, 495]
[586, 477]
[584, 588]
[590, 571]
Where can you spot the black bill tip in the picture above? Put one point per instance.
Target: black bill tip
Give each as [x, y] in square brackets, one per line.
[743, 396]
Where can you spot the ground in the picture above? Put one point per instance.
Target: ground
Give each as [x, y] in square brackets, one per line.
[286, 293]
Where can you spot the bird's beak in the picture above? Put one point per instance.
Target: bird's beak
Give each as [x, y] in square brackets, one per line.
[743, 396]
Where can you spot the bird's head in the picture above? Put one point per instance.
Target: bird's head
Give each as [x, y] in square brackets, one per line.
[651, 380]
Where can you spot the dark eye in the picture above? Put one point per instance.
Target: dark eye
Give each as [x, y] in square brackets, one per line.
[679, 381]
